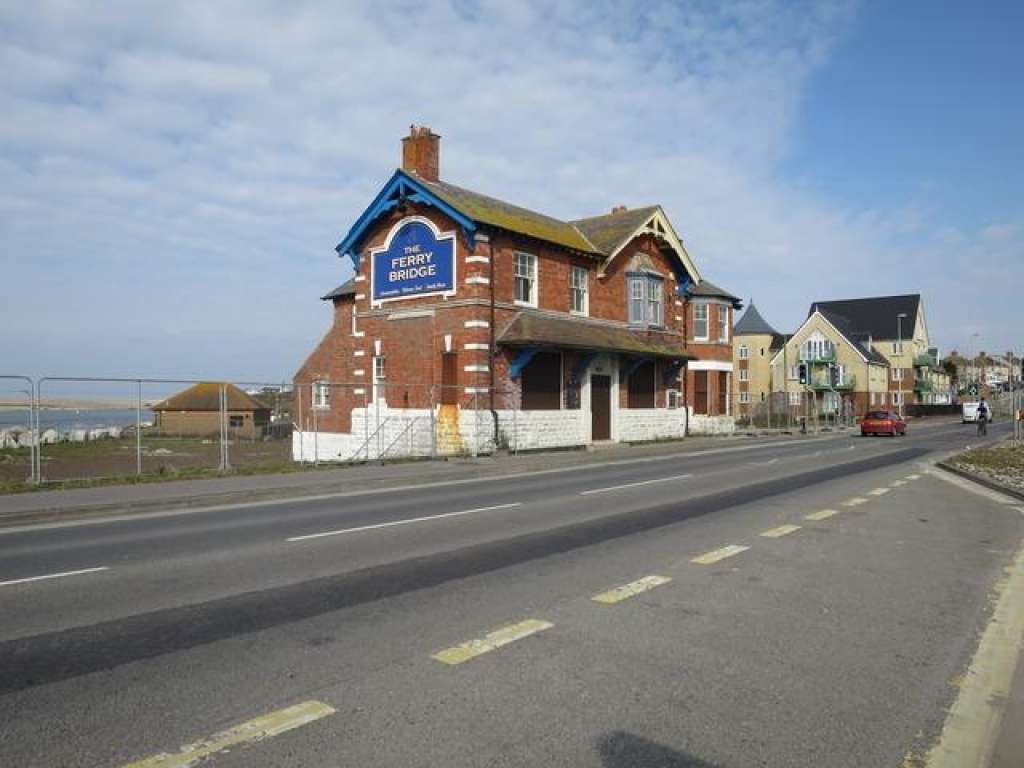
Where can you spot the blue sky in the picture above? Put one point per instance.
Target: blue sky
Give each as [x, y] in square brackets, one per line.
[173, 177]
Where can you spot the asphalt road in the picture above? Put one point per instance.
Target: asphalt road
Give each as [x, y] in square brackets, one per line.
[835, 643]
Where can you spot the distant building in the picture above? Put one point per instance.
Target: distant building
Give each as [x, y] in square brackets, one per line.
[196, 412]
[755, 343]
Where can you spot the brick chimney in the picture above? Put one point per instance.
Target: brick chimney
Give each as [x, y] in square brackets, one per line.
[421, 153]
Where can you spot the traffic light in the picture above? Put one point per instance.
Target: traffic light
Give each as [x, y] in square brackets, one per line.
[803, 373]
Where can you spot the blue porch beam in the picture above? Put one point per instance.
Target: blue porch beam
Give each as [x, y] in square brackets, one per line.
[636, 364]
[582, 365]
[526, 354]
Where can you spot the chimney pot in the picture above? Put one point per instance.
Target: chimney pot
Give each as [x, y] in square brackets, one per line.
[421, 153]
[619, 209]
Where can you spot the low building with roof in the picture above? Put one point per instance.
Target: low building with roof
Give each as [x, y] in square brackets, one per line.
[498, 325]
[197, 412]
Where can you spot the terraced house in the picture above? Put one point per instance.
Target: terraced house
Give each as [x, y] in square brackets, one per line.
[471, 323]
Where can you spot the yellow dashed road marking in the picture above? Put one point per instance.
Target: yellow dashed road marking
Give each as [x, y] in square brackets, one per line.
[782, 530]
[260, 728]
[491, 641]
[824, 514]
[617, 595]
[897, 483]
[708, 558]
[855, 501]
[878, 491]
[913, 477]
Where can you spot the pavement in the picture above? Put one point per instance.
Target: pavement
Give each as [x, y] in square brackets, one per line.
[804, 604]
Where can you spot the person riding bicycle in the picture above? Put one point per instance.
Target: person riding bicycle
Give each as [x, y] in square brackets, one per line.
[982, 417]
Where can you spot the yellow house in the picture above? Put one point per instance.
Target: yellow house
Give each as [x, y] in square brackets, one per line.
[899, 331]
[755, 343]
[846, 375]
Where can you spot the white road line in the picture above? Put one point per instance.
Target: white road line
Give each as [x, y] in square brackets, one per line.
[765, 463]
[897, 483]
[53, 576]
[824, 514]
[856, 501]
[633, 485]
[878, 491]
[254, 730]
[409, 521]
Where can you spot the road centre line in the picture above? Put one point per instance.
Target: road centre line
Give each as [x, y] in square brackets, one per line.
[617, 595]
[782, 530]
[855, 501]
[634, 485]
[409, 521]
[823, 514]
[897, 483]
[257, 729]
[878, 491]
[913, 477]
[48, 576]
[491, 641]
[709, 558]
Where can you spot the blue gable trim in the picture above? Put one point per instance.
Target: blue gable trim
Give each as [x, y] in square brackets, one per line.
[400, 187]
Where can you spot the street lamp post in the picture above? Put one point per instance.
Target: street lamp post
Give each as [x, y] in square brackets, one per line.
[899, 348]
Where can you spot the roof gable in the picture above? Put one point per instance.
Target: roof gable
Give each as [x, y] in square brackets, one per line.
[612, 232]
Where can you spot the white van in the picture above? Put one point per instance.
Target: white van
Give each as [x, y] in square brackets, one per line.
[970, 412]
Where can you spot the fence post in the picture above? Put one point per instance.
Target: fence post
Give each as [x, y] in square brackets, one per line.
[297, 388]
[433, 423]
[316, 420]
[138, 430]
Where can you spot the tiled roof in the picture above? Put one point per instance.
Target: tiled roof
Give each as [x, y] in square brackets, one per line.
[875, 315]
[611, 230]
[535, 329]
[206, 397]
[752, 323]
[709, 289]
[858, 339]
[498, 213]
[347, 288]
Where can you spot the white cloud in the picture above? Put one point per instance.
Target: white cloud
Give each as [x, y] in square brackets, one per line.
[187, 168]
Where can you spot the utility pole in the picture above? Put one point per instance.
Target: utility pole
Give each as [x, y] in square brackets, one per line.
[899, 348]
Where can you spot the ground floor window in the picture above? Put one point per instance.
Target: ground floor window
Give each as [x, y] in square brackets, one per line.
[236, 421]
[542, 382]
[744, 397]
[321, 395]
[641, 387]
[672, 399]
[794, 398]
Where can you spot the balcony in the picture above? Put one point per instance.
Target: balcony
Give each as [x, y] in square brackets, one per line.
[822, 383]
[924, 361]
[819, 357]
[922, 385]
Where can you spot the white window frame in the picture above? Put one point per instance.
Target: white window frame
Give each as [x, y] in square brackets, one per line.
[672, 399]
[723, 323]
[745, 352]
[646, 300]
[897, 374]
[794, 372]
[321, 395]
[744, 374]
[579, 289]
[744, 397]
[636, 310]
[700, 308]
[524, 267]
[794, 398]
[379, 371]
[897, 348]
[655, 302]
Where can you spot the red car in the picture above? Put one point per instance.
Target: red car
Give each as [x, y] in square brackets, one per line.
[882, 423]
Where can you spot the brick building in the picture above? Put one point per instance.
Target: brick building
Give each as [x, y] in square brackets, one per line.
[197, 412]
[470, 323]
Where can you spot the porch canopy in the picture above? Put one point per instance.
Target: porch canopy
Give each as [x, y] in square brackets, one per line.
[529, 329]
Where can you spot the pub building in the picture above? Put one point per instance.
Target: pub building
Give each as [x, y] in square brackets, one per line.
[471, 323]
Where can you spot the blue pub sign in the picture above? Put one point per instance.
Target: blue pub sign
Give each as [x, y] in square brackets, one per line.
[416, 260]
